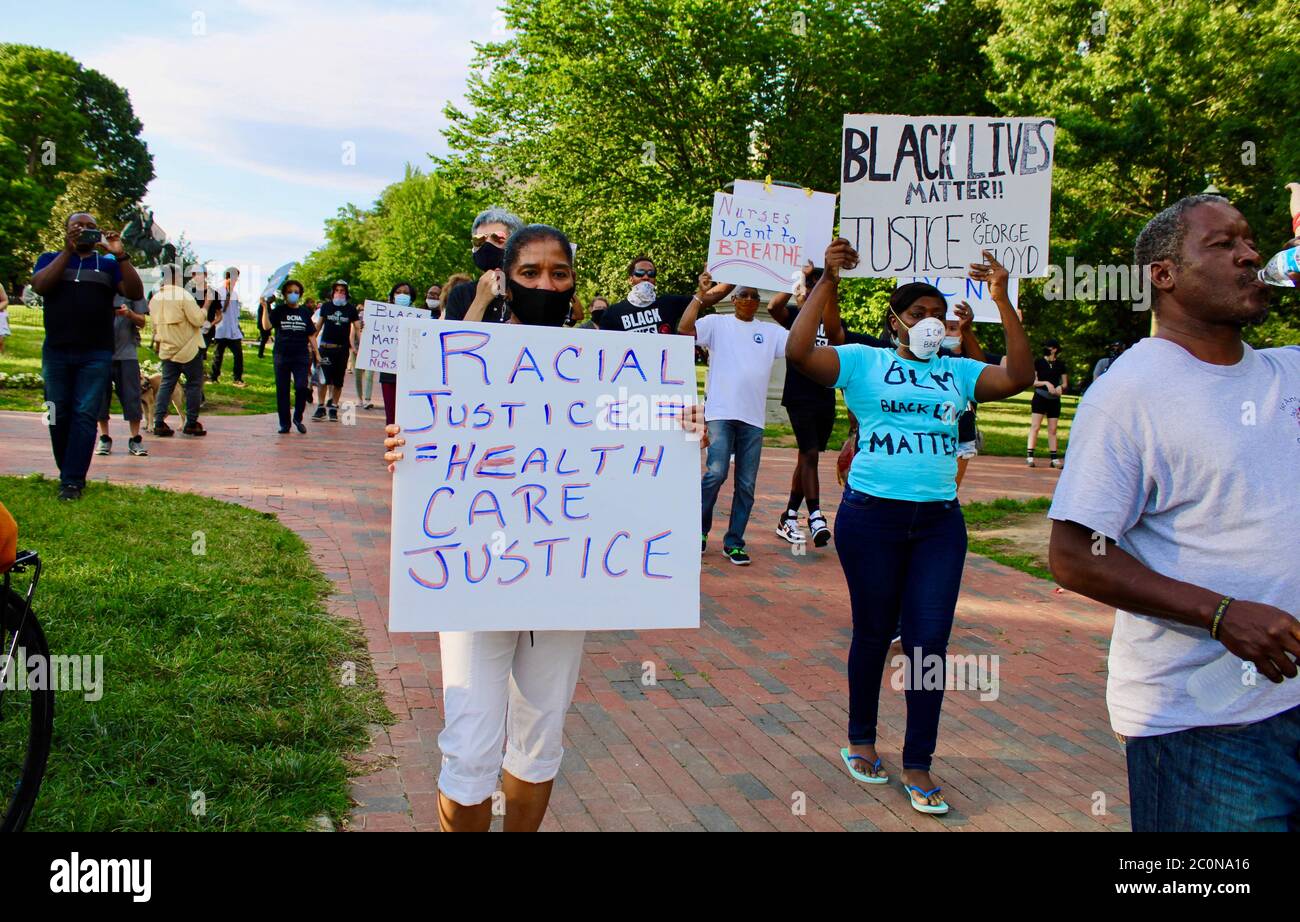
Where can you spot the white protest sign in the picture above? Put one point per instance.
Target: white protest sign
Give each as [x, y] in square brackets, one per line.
[974, 293]
[922, 196]
[547, 483]
[377, 350]
[756, 242]
[819, 207]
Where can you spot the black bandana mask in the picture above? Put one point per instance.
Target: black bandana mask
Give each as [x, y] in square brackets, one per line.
[539, 307]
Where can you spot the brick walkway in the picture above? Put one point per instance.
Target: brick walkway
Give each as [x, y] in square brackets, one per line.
[743, 728]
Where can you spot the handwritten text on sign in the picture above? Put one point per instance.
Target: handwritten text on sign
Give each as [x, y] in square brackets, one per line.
[547, 483]
[922, 196]
[755, 242]
[378, 344]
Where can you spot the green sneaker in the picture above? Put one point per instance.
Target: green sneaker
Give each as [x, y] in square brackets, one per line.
[737, 556]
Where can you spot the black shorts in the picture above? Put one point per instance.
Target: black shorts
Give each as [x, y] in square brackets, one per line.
[812, 425]
[1048, 406]
[334, 362]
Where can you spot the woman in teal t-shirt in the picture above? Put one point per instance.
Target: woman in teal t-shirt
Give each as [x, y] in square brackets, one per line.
[899, 530]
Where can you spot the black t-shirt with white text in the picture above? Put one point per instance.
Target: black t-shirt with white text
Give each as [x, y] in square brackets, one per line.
[336, 328]
[662, 316]
[293, 327]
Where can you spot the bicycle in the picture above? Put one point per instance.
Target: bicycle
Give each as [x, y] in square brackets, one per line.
[26, 714]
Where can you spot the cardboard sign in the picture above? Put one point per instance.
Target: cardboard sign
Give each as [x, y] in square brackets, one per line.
[973, 293]
[547, 482]
[922, 196]
[377, 349]
[819, 207]
[758, 242]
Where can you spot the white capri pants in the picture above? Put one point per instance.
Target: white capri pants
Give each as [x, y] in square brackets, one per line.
[500, 689]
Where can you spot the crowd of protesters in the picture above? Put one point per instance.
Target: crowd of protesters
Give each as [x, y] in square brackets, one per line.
[1200, 552]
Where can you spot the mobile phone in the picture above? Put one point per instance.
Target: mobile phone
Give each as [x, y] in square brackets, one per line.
[90, 236]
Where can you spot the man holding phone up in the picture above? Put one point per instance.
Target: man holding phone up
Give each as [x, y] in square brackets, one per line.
[78, 285]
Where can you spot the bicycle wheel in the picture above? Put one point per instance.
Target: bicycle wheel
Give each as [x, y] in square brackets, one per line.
[26, 714]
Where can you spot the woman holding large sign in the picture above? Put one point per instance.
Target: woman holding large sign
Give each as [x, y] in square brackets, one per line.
[899, 530]
[508, 688]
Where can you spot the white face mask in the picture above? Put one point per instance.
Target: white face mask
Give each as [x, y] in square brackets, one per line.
[642, 294]
[951, 343]
[925, 337]
[433, 303]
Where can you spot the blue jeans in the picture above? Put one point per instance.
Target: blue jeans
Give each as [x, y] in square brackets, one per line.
[74, 388]
[728, 436]
[1243, 778]
[903, 563]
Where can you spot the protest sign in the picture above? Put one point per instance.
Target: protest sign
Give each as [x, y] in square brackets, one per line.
[757, 241]
[819, 225]
[974, 293]
[922, 196]
[377, 349]
[547, 482]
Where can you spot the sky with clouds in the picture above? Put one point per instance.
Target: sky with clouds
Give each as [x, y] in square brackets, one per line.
[265, 116]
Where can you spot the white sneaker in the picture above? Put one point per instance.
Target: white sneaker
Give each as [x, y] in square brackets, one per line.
[1029, 462]
[788, 528]
[821, 533]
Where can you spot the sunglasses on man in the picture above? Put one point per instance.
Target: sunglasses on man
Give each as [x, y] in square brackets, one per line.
[479, 239]
[645, 273]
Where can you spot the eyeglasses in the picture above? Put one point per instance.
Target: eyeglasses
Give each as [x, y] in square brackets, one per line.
[479, 239]
[645, 273]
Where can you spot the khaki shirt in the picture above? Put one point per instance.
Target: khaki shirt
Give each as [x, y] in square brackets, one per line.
[178, 324]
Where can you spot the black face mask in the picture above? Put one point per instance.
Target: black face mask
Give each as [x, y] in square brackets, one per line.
[539, 307]
[488, 256]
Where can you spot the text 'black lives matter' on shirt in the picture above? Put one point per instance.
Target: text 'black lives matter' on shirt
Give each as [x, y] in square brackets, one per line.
[801, 390]
[662, 316]
[336, 328]
[293, 328]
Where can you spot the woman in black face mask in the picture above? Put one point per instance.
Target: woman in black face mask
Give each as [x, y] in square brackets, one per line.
[536, 277]
[488, 238]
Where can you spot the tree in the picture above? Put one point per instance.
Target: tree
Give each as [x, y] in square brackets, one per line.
[1152, 102]
[423, 225]
[57, 120]
[618, 121]
[347, 246]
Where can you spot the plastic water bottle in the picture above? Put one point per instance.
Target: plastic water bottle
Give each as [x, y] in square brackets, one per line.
[1218, 684]
[1275, 272]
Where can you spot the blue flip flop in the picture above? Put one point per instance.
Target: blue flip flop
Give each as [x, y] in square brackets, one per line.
[849, 759]
[924, 807]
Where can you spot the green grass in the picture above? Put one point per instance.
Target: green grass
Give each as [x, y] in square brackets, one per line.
[1005, 424]
[23, 354]
[221, 672]
[981, 517]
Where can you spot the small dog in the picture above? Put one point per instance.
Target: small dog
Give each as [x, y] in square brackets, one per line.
[149, 387]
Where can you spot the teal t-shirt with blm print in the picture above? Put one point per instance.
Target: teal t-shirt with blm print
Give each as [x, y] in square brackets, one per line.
[907, 414]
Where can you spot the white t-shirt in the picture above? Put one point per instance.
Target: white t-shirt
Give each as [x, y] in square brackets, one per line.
[1194, 469]
[740, 364]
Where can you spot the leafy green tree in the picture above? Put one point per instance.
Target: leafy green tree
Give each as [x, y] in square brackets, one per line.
[347, 245]
[57, 120]
[423, 226]
[618, 121]
[1152, 102]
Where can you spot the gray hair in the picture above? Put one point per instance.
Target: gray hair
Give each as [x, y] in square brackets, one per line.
[496, 215]
[1163, 236]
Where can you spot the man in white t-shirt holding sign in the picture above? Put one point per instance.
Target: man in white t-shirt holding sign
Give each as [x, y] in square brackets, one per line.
[741, 353]
[1180, 507]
